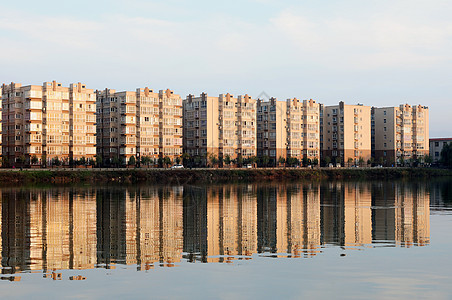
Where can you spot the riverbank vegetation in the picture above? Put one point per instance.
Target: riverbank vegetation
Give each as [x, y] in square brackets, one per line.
[184, 176]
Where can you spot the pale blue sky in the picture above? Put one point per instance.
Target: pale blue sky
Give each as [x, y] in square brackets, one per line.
[378, 53]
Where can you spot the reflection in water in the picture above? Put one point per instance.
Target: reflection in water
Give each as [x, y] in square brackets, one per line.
[85, 228]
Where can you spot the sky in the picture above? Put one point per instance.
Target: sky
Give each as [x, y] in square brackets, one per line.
[378, 53]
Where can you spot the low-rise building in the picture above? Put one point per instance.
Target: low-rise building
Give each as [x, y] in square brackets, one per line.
[436, 145]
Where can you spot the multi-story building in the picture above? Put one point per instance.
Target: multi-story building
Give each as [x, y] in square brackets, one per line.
[271, 129]
[82, 122]
[43, 123]
[435, 147]
[288, 129]
[346, 133]
[303, 129]
[141, 123]
[400, 133]
[222, 126]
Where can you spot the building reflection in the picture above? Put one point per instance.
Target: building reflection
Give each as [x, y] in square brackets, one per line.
[46, 230]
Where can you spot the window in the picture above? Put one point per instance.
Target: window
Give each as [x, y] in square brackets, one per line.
[384, 112]
[436, 144]
[384, 120]
[436, 154]
[384, 128]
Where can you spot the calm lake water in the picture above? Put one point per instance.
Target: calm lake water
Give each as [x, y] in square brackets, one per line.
[318, 240]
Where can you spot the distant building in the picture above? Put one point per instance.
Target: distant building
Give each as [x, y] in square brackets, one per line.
[288, 129]
[42, 123]
[346, 134]
[220, 126]
[436, 145]
[400, 133]
[141, 123]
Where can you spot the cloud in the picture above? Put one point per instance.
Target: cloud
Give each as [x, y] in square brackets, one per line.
[380, 41]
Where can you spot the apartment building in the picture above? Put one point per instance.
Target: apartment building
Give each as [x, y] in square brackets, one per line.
[346, 134]
[436, 146]
[140, 123]
[222, 126]
[288, 129]
[303, 129]
[271, 129]
[400, 133]
[43, 123]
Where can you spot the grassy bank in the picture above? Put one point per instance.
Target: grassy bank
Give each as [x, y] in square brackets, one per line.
[184, 176]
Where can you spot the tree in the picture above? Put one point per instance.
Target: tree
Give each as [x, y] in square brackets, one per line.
[132, 161]
[293, 161]
[315, 161]
[239, 161]
[56, 161]
[402, 161]
[99, 160]
[265, 160]
[213, 159]
[34, 160]
[428, 159]
[446, 155]
[185, 159]
[361, 161]
[178, 160]
[167, 161]
[82, 161]
[304, 161]
[349, 161]
[327, 161]
[116, 161]
[227, 160]
[281, 160]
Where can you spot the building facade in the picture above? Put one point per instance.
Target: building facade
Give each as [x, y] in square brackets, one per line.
[222, 126]
[303, 129]
[346, 133]
[435, 147]
[288, 129]
[138, 124]
[48, 124]
[400, 133]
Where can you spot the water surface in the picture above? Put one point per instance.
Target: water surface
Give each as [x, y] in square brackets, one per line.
[335, 239]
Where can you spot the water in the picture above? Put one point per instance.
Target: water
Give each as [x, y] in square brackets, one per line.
[323, 240]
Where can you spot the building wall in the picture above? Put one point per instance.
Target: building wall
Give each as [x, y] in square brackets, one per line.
[303, 129]
[48, 121]
[347, 133]
[221, 126]
[141, 123]
[271, 129]
[400, 132]
[435, 147]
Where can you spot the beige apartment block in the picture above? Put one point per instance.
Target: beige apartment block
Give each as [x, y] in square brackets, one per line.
[271, 129]
[82, 122]
[303, 129]
[221, 126]
[42, 123]
[288, 129]
[400, 133]
[436, 146]
[346, 133]
[141, 123]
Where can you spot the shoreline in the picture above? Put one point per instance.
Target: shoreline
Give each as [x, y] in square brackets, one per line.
[208, 175]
